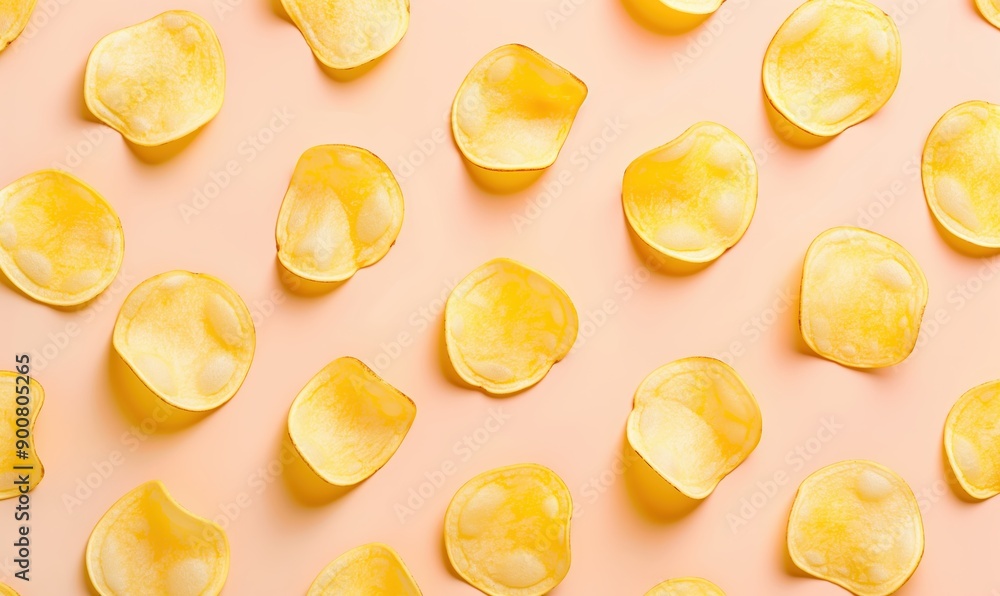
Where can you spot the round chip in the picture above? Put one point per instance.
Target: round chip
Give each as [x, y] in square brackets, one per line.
[364, 570]
[342, 211]
[514, 110]
[507, 531]
[693, 198]
[862, 298]
[686, 586]
[961, 172]
[698, 7]
[61, 243]
[188, 337]
[14, 15]
[159, 80]
[345, 34]
[856, 524]
[148, 544]
[19, 391]
[972, 440]
[832, 64]
[990, 9]
[694, 421]
[506, 325]
[347, 422]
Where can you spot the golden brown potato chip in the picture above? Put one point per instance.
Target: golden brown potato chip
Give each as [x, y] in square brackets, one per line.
[972, 440]
[694, 421]
[14, 15]
[346, 34]
[6, 590]
[856, 524]
[686, 586]
[16, 392]
[363, 571]
[159, 80]
[507, 531]
[832, 64]
[506, 325]
[188, 337]
[700, 7]
[514, 110]
[342, 211]
[990, 9]
[347, 422]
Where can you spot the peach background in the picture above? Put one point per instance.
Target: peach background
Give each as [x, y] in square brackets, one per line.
[573, 421]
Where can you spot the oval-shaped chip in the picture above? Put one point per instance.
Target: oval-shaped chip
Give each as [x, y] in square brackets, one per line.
[856, 524]
[694, 421]
[832, 64]
[188, 337]
[990, 9]
[862, 298]
[686, 586]
[506, 325]
[345, 34]
[14, 16]
[342, 211]
[158, 80]
[693, 198]
[364, 570]
[61, 243]
[514, 110]
[507, 530]
[19, 391]
[147, 543]
[972, 440]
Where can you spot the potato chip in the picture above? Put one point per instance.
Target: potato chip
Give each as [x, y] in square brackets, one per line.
[862, 298]
[832, 64]
[6, 590]
[342, 211]
[14, 391]
[990, 9]
[693, 198]
[347, 422]
[506, 325]
[514, 110]
[507, 530]
[686, 586]
[972, 440]
[61, 243]
[346, 34]
[159, 80]
[961, 172]
[367, 569]
[700, 7]
[694, 421]
[147, 543]
[188, 337]
[856, 524]
[14, 15]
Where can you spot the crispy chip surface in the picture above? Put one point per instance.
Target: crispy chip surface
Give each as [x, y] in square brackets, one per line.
[364, 570]
[693, 6]
[990, 9]
[14, 16]
[686, 586]
[11, 388]
[346, 34]
[972, 440]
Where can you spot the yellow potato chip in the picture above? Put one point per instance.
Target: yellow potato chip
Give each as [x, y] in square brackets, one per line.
[346, 34]
[347, 422]
[693, 198]
[6, 590]
[700, 7]
[16, 392]
[159, 80]
[862, 298]
[832, 64]
[364, 570]
[961, 172]
[342, 211]
[514, 110]
[856, 524]
[506, 325]
[694, 421]
[686, 586]
[188, 337]
[990, 9]
[61, 243]
[147, 543]
[972, 440]
[507, 531]
[14, 15]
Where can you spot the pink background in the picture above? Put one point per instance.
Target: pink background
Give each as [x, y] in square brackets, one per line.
[281, 528]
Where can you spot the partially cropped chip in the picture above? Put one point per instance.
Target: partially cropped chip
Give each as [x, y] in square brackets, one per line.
[514, 110]
[506, 325]
[686, 586]
[961, 172]
[699, 7]
[972, 440]
[147, 543]
[507, 531]
[367, 569]
[14, 15]
[61, 243]
[159, 80]
[990, 9]
[19, 391]
[693, 198]
[346, 34]
[832, 64]
[6, 590]
[863, 297]
[342, 211]
[694, 421]
[856, 524]
[188, 337]
[347, 422]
